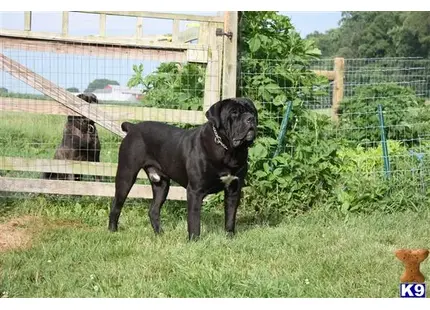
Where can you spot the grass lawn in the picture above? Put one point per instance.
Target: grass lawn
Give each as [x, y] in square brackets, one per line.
[61, 248]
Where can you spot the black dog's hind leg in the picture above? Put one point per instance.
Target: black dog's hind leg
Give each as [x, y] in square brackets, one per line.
[124, 183]
[160, 190]
[129, 166]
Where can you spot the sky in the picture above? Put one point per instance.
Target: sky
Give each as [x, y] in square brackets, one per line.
[78, 71]
[87, 24]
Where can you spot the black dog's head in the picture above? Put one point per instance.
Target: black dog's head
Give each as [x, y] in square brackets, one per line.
[84, 124]
[236, 118]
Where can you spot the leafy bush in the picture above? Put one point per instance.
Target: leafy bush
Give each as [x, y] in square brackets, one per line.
[301, 177]
[171, 85]
[363, 188]
[405, 114]
[276, 62]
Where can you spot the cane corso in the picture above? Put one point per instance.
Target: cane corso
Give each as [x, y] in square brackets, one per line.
[204, 160]
[80, 142]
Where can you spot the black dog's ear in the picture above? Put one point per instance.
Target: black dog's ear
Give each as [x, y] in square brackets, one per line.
[214, 113]
[248, 103]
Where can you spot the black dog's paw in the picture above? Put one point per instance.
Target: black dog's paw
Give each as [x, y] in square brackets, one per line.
[192, 238]
[230, 234]
[159, 232]
[112, 228]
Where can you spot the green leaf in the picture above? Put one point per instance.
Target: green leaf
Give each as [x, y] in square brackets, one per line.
[314, 52]
[258, 151]
[266, 167]
[277, 172]
[254, 44]
[260, 174]
[273, 88]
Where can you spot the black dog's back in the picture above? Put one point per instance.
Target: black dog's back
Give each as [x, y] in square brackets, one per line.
[160, 143]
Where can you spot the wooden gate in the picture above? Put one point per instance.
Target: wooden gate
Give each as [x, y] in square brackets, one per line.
[206, 43]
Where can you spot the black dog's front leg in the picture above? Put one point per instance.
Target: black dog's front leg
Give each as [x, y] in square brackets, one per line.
[195, 200]
[231, 203]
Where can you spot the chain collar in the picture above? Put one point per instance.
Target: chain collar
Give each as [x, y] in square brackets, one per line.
[218, 138]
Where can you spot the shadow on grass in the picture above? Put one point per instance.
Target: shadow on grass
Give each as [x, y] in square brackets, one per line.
[93, 210]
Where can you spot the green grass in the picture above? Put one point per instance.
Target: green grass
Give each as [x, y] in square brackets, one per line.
[37, 136]
[313, 255]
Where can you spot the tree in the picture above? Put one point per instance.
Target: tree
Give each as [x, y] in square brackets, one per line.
[99, 84]
[3, 90]
[377, 34]
[72, 90]
[326, 42]
[412, 38]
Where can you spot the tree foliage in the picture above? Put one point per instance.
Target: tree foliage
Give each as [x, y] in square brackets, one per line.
[99, 84]
[377, 34]
[73, 89]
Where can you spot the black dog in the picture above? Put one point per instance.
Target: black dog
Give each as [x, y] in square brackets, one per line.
[204, 160]
[80, 142]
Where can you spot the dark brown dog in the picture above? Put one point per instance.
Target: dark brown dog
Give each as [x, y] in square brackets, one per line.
[80, 142]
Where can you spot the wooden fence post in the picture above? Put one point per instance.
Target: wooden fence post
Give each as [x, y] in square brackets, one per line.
[27, 20]
[65, 24]
[339, 68]
[212, 77]
[229, 66]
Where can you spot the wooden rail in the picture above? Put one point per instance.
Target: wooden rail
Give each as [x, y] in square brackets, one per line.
[156, 42]
[117, 113]
[159, 15]
[60, 166]
[99, 189]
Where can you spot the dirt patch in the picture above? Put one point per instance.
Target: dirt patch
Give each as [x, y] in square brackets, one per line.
[18, 232]
[15, 233]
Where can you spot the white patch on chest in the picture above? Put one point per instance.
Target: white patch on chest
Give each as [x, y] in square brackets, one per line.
[227, 179]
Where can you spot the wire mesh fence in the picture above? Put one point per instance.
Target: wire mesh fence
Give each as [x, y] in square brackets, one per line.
[39, 135]
[381, 125]
[400, 86]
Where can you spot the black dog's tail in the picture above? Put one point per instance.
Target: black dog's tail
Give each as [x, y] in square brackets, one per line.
[126, 126]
